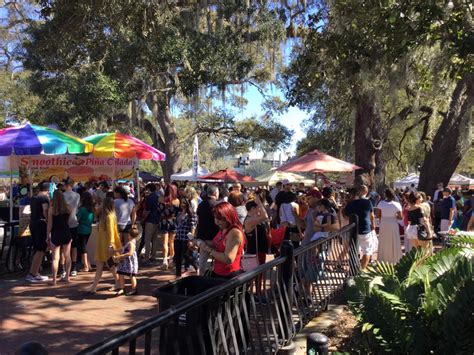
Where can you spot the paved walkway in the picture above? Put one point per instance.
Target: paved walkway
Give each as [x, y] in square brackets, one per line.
[66, 319]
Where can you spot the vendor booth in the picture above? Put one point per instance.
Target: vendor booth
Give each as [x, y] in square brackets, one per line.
[317, 161]
[189, 175]
[271, 177]
[227, 175]
[407, 181]
[457, 180]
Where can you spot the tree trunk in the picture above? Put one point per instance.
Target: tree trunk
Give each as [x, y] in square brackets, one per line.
[168, 141]
[452, 139]
[368, 144]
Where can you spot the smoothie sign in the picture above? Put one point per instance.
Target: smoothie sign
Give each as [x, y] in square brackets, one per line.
[78, 168]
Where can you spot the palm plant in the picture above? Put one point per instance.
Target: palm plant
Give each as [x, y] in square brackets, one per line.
[422, 304]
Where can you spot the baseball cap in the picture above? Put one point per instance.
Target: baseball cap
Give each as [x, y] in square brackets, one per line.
[126, 188]
[447, 189]
[285, 181]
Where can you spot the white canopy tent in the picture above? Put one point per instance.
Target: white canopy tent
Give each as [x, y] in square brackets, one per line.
[271, 177]
[407, 181]
[461, 180]
[456, 180]
[188, 175]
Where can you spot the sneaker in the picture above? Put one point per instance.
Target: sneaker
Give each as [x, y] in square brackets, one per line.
[164, 266]
[37, 278]
[63, 274]
[73, 273]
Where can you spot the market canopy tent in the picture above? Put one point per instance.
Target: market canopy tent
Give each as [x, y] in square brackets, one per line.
[227, 175]
[29, 139]
[456, 180]
[118, 145]
[271, 177]
[461, 180]
[188, 175]
[317, 161]
[407, 181]
[145, 176]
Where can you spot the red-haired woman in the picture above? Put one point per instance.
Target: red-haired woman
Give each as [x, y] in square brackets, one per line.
[168, 208]
[228, 244]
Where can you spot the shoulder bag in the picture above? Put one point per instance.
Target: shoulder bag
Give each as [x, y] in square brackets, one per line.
[422, 234]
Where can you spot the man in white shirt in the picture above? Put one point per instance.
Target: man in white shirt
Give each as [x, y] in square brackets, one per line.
[72, 199]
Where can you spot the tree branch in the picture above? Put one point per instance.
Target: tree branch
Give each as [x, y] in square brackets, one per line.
[425, 120]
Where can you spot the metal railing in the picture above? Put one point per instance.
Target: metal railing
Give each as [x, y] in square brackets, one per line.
[257, 312]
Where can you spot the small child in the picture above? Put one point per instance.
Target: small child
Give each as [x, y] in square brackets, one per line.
[128, 264]
[191, 256]
[324, 219]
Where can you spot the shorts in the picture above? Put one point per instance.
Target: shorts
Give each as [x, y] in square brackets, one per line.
[124, 229]
[59, 238]
[366, 243]
[168, 225]
[82, 240]
[74, 237]
[38, 235]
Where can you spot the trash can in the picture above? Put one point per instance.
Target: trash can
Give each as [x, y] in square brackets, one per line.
[190, 330]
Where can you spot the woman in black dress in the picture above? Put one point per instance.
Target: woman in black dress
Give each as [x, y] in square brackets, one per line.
[416, 218]
[59, 234]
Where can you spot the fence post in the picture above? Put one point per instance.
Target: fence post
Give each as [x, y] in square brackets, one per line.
[317, 344]
[288, 268]
[354, 261]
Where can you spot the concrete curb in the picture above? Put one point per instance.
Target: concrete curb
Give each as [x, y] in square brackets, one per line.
[317, 325]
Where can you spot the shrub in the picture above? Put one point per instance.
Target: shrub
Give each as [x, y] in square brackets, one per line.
[423, 304]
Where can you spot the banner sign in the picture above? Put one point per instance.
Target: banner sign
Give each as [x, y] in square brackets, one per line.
[79, 168]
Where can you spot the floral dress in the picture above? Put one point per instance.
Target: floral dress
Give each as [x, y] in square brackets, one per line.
[168, 213]
[128, 265]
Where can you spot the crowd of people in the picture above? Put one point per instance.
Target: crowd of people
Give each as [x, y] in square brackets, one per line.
[182, 227]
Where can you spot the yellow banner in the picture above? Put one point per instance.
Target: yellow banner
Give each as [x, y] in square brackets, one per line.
[79, 168]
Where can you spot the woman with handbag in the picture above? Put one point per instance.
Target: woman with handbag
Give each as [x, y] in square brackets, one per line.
[108, 243]
[418, 231]
[228, 245]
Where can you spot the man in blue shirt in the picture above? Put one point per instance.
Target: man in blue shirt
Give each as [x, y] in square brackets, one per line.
[151, 217]
[363, 208]
[447, 208]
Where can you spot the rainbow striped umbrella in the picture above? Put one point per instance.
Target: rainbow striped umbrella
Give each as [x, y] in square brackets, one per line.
[30, 139]
[118, 145]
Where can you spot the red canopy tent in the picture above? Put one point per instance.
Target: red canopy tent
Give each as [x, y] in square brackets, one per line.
[227, 175]
[318, 162]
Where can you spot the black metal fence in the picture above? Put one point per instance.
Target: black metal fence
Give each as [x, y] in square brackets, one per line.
[15, 251]
[257, 312]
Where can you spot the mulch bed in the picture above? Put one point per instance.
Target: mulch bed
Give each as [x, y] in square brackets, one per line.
[344, 334]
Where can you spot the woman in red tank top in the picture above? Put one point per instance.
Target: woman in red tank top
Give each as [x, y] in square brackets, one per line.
[227, 246]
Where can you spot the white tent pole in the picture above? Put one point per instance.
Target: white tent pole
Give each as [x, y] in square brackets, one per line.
[11, 190]
[138, 182]
[30, 178]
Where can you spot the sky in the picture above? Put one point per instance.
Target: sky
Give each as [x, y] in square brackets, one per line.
[292, 119]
